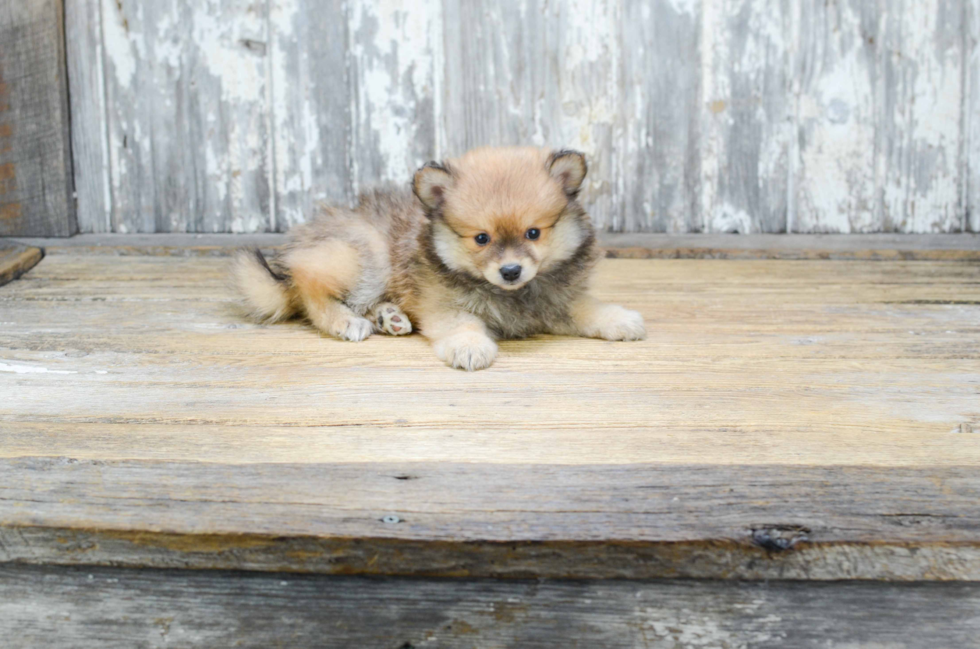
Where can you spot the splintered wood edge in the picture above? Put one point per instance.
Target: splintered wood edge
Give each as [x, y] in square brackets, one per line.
[17, 260]
[721, 559]
[774, 523]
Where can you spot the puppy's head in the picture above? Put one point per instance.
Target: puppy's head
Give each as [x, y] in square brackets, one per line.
[504, 214]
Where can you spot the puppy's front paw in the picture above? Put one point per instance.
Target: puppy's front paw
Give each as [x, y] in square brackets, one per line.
[467, 350]
[354, 329]
[616, 323]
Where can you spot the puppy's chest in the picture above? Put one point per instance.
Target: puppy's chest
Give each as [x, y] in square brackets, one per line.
[535, 309]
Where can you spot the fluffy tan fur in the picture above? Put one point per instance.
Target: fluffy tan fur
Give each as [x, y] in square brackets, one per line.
[490, 245]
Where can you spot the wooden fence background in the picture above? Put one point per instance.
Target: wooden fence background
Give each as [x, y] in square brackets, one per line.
[698, 115]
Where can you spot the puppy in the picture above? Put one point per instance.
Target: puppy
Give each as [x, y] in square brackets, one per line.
[490, 245]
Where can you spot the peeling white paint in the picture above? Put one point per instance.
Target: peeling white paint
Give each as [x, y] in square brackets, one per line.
[219, 42]
[920, 178]
[393, 52]
[836, 180]
[119, 43]
[729, 219]
[796, 125]
[689, 7]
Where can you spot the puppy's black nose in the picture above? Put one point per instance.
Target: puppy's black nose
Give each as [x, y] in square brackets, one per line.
[510, 272]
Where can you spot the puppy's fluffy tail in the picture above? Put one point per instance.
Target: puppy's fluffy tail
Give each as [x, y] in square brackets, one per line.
[266, 292]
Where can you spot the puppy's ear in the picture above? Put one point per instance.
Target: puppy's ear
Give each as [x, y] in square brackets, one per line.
[569, 169]
[431, 184]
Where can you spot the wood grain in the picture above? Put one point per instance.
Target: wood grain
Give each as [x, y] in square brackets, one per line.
[835, 167]
[971, 115]
[747, 115]
[656, 142]
[145, 422]
[15, 260]
[187, 116]
[89, 134]
[705, 115]
[110, 608]
[636, 521]
[395, 75]
[311, 110]
[35, 152]
[921, 103]
[633, 245]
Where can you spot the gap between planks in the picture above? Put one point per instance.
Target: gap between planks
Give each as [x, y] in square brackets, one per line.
[873, 247]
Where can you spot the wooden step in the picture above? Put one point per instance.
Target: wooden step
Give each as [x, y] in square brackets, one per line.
[797, 420]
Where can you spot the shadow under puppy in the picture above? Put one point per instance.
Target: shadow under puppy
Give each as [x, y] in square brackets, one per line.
[490, 245]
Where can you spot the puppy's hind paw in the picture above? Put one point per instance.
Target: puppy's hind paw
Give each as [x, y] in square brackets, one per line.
[467, 350]
[391, 320]
[616, 323]
[355, 329]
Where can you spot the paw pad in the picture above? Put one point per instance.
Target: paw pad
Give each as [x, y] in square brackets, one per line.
[393, 321]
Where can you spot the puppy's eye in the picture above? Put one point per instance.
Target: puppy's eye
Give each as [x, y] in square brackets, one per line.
[482, 239]
[533, 234]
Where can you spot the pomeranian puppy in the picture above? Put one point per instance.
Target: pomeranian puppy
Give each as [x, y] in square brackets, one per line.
[487, 246]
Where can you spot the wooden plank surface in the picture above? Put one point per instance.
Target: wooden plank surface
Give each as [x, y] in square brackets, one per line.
[109, 608]
[831, 407]
[634, 245]
[35, 152]
[484, 518]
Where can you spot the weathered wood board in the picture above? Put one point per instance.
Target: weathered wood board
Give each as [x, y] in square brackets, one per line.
[826, 406]
[971, 116]
[741, 116]
[312, 119]
[15, 260]
[617, 245]
[110, 608]
[89, 128]
[35, 151]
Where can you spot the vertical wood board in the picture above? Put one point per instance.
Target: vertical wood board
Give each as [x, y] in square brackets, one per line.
[748, 114]
[35, 152]
[838, 68]
[971, 116]
[311, 113]
[395, 70]
[919, 123]
[187, 116]
[89, 135]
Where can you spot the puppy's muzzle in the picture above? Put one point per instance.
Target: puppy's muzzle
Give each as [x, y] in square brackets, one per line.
[510, 272]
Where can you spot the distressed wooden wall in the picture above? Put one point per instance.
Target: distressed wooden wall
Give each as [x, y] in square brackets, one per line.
[35, 155]
[698, 115]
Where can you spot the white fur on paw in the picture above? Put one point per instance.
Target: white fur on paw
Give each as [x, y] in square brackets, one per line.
[356, 329]
[616, 323]
[392, 320]
[467, 350]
